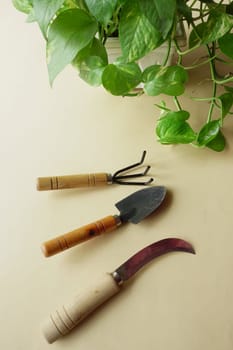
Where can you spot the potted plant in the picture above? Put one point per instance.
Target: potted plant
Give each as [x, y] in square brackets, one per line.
[79, 32]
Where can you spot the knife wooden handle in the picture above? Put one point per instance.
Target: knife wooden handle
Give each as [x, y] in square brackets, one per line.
[68, 316]
[82, 234]
[72, 181]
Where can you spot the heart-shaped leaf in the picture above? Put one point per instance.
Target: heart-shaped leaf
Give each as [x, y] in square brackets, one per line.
[91, 70]
[102, 10]
[95, 48]
[44, 11]
[167, 80]
[184, 10]
[228, 88]
[144, 26]
[120, 78]
[196, 35]
[208, 132]
[173, 128]
[226, 44]
[70, 32]
[229, 8]
[218, 143]
[91, 62]
[23, 5]
[226, 101]
[217, 25]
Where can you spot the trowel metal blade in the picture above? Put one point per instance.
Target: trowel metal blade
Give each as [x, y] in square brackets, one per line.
[140, 204]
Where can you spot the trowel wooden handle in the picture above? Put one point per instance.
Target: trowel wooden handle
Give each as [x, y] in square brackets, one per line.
[68, 316]
[82, 234]
[72, 181]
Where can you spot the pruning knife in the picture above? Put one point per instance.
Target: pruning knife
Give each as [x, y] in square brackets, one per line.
[67, 317]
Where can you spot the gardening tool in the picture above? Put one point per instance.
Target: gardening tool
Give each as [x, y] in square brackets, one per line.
[96, 179]
[133, 208]
[65, 318]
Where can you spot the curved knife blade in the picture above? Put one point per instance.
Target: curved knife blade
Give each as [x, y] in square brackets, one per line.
[140, 204]
[69, 315]
[145, 255]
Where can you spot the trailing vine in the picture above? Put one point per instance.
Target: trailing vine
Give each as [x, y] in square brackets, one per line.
[77, 32]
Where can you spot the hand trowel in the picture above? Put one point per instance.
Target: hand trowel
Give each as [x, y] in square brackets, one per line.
[133, 208]
[67, 317]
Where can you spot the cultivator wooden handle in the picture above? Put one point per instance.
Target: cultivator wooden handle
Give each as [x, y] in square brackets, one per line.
[82, 234]
[72, 181]
[121, 177]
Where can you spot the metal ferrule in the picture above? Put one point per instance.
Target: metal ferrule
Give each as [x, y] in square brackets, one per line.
[109, 179]
[118, 220]
[117, 278]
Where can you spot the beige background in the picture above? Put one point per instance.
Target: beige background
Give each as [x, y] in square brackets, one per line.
[178, 302]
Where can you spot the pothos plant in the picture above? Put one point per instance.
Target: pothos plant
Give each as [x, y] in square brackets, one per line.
[76, 32]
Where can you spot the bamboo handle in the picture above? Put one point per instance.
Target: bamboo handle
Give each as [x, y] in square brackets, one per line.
[82, 234]
[65, 318]
[72, 181]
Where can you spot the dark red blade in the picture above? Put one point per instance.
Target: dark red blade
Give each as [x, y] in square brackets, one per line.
[137, 261]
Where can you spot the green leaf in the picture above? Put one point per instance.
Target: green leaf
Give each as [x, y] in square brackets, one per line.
[167, 80]
[91, 70]
[177, 115]
[184, 10]
[44, 11]
[226, 101]
[228, 88]
[31, 17]
[161, 14]
[196, 35]
[68, 4]
[163, 108]
[23, 5]
[217, 25]
[173, 128]
[144, 26]
[81, 4]
[151, 72]
[70, 32]
[229, 8]
[102, 10]
[226, 44]
[91, 62]
[121, 78]
[26, 7]
[208, 132]
[218, 143]
[95, 48]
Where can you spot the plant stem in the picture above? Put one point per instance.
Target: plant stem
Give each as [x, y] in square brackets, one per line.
[201, 11]
[193, 3]
[213, 77]
[224, 81]
[177, 103]
[182, 53]
[211, 53]
[201, 99]
[102, 34]
[199, 64]
[168, 53]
